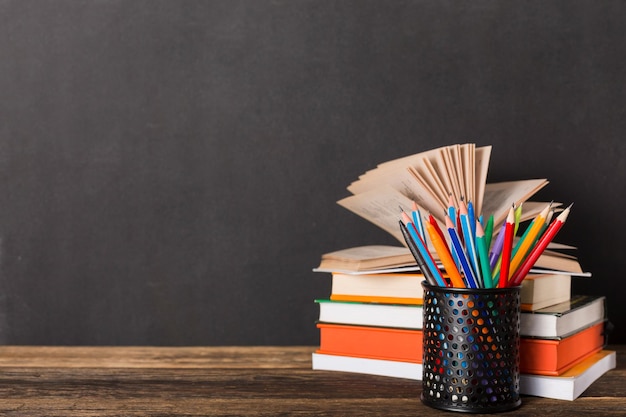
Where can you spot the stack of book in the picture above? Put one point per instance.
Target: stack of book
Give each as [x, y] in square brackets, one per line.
[372, 321]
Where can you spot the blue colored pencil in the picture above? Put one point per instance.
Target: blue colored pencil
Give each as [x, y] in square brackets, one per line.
[421, 246]
[456, 243]
[470, 247]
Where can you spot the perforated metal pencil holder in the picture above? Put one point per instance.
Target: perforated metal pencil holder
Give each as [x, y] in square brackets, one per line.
[471, 349]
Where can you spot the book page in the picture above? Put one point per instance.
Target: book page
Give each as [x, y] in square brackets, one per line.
[448, 160]
[406, 160]
[481, 166]
[453, 161]
[381, 206]
[360, 253]
[389, 167]
[455, 152]
[437, 175]
[405, 183]
[424, 183]
[466, 153]
[500, 196]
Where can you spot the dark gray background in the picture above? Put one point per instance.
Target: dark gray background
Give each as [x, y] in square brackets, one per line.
[169, 169]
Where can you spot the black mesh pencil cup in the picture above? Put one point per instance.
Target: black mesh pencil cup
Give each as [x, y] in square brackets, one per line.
[471, 349]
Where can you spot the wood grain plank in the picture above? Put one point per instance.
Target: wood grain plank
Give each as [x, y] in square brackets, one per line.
[232, 381]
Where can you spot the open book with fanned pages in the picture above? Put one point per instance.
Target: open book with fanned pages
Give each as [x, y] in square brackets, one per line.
[431, 180]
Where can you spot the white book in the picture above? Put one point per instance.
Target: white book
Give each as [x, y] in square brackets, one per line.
[370, 314]
[571, 384]
[567, 386]
[563, 319]
[395, 369]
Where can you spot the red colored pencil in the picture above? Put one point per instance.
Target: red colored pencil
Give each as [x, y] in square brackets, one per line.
[433, 221]
[507, 247]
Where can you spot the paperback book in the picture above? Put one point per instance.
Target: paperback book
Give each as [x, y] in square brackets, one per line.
[537, 290]
[568, 386]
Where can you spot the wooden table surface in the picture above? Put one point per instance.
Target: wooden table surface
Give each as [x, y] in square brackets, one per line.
[233, 381]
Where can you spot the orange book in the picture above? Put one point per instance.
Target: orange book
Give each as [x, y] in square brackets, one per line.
[555, 356]
[371, 342]
[377, 299]
[537, 356]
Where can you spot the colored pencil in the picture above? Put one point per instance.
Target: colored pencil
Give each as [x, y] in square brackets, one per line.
[417, 220]
[417, 255]
[496, 268]
[445, 257]
[481, 246]
[451, 208]
[524, 244]
[421, 246]
[435, 225]
[544, 227]
[452, 215]
[459, 226]
[456, 243]
[518, 216]
[471, 217]
[489, 232]
[496, 250]
[507, 244]
[470, 244]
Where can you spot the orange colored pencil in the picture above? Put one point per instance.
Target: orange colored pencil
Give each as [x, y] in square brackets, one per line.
[444, 256]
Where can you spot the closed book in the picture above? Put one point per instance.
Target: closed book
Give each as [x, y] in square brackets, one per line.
[538, 290]
[395, 369]
[371, 342]
[537, 356]
[393, 288]
[568, 386]
[571, 384]
[555, 356]
[563, 319]
[543, 290]
[409, 316]
[363, 258]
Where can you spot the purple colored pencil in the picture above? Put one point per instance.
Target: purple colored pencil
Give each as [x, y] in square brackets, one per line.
[497, 247]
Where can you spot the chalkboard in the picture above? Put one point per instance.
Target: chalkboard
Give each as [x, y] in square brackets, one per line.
[169, 170]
